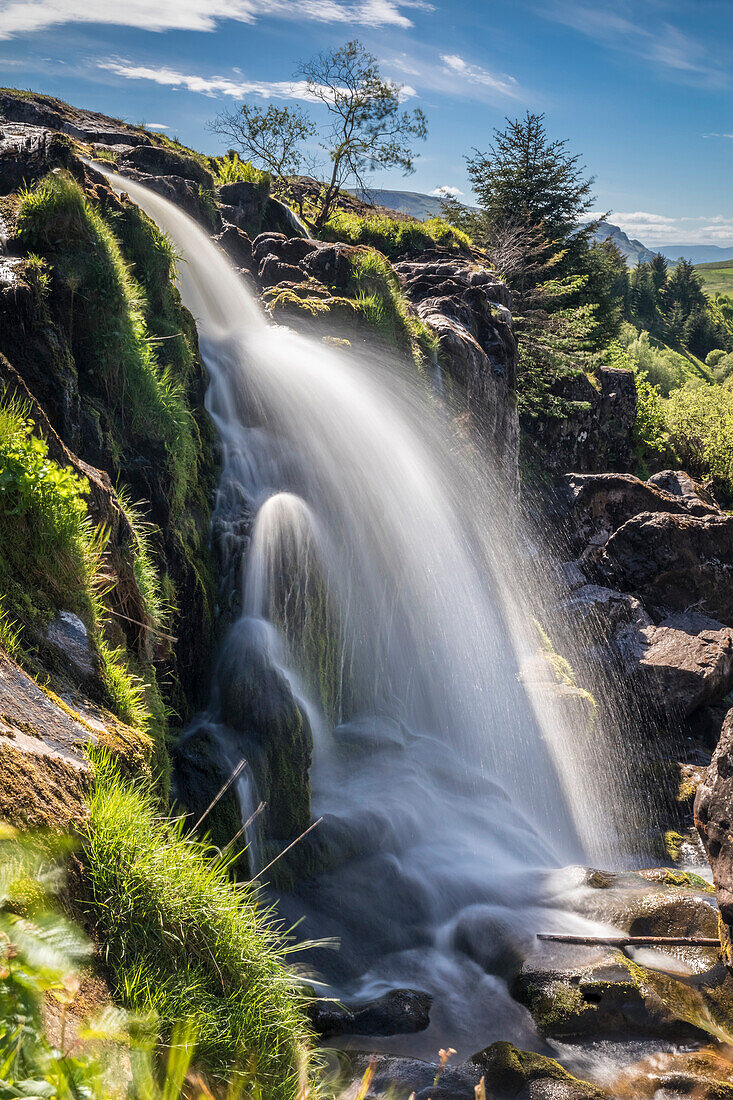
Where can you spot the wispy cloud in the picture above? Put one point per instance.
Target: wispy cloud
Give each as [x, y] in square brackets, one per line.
[477, 74]
[659, 229]
[656, 41]
[209, 85]
[714, 135]
[26, 16]
[234, 86]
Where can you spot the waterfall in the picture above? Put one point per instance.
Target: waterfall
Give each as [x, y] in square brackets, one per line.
[373, 585]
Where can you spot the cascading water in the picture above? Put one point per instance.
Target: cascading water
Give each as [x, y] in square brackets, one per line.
[374, 589]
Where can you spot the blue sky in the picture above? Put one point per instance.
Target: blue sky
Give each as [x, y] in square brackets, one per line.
[641, 88]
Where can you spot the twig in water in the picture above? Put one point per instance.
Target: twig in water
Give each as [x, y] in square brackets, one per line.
[286, 850]
[633, 941]
[235, 775]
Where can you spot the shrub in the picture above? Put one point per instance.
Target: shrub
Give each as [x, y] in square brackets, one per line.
[393, 237]
[699, 419]
[185, 941]
[232, 169]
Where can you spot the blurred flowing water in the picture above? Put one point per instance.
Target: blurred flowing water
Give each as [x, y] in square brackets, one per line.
[382, 572]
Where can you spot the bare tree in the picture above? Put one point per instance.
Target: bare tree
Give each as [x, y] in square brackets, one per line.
[369, 129]
[273, 138]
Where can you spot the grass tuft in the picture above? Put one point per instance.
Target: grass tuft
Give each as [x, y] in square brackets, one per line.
[183, 940]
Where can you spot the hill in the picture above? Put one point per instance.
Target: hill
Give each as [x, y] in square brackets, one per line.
[633, 251]
[717, 278]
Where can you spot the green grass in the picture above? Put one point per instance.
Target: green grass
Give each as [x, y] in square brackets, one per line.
[182, 939]
[232, 169]
[393, 237]
[105, 317]
[383, 306]
[717, 278]
[51, 556]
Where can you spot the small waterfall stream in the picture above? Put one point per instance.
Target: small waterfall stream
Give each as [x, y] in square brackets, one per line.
[371, 570]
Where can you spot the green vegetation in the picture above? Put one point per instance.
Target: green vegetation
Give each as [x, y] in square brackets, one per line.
[100, 1052]
[181, 939]
[232, 169]
[716, 278]
[383, 306]
[106, 323]
[393, 237]
[51, 556]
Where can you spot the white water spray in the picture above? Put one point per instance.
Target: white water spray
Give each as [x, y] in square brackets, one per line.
[450, 784]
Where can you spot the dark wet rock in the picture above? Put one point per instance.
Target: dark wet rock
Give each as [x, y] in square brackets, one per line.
[288, 250]
[599, 504]
[397, 1012]
[682, 663]
[200, 771]
[68, 636]
[330, 265]
[273, 272]
[491, 938]
[398, 1078]
[512, 1074]
[572, 996]
[240, 194]
[714, 818]
[674, 561]
[161, 160]
[237, 245]
[702, 1074]
[258, 703]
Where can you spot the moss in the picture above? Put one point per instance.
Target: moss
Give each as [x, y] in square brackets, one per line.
[41, 789]
[673, 845]
[510, 1070]
[703, 1001]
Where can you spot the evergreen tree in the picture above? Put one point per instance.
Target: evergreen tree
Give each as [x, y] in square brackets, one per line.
[659, 269]
[524, 177]
[684, 288]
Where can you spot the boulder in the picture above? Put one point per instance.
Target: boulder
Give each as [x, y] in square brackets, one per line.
[512, 1074]
[602, 612]
[683, 663]
[237, 246]
[598, 504]
[679, 484]
[161, 160]
[69, 639]
[714, 818]
[330, 265]
[397, 1012]
[288, 250]
[242, 194]
[674, 560]
[273, 271]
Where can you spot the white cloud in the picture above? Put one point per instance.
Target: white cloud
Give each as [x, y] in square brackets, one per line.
[156, 126]
[210, 86]
[446, 192]
[659, 229]
[27, 16]
[219, 85]
[476, 74]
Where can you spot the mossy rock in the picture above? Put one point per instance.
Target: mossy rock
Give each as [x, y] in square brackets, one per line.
[704, 1001]
[705, 1074]
[509, 1071]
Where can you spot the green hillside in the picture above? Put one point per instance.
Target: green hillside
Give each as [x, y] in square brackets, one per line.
[717, 278]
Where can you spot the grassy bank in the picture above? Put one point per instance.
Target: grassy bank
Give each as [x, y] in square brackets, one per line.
[181, 939]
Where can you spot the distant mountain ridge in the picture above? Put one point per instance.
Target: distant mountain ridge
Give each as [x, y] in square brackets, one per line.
[420, 206]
